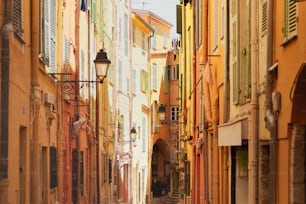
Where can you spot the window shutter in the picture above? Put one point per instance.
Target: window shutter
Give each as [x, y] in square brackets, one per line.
[134, 81]
[53, 168]
[93, 11]
[154, 77]
[120, 75]
[216, 13]
[143, 81]
[166, 80]
[264, 17]
[144, 129]
[46, 30]
[290, 20]
[179, 19]
[17, 17]
[234, 45]
[66, 50]
[52, 36]
[154, 36]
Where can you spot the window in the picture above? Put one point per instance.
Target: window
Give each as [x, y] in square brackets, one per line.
[126, 32]
[198, 22]
[17, 17]
[240, 51]
[143, 40]
[165, 39]
[144, 134]
[154, 36]
[134, 81]
[166, 80]
[154, 77]
[290, 20]
[82, 172]
[66, 50]
[48, 34]
[134, 34]
[174, 111]
[110, 168]
[144, 81]
[53, 167]
[179, 19]
[215, 45]
[120, 75]
[264, 17]
[173, 72]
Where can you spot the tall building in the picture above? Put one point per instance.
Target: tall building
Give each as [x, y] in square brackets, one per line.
[142, 32]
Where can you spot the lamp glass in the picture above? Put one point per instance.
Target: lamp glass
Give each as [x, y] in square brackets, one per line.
[101, 64]
[133, 133]
[161, 113]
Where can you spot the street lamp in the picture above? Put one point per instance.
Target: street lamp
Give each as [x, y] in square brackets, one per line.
[161, 113]
[101, 66]
[133, 134]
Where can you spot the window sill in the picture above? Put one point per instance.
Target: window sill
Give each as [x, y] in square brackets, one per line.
[289, 40]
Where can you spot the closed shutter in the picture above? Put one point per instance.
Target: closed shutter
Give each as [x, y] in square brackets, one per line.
[93, 11]
[17, 17]
[144, 130]
[166, 80]
[290, 20]
[179, 19]
[46, 31]
[233, 47]
[52, 36]
[53, 167]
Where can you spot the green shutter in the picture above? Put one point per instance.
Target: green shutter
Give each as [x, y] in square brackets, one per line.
[290, 20]
[234, 48]
[179, 19]
[166, 80]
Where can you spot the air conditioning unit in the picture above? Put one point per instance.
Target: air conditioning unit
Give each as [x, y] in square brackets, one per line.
[48, 98]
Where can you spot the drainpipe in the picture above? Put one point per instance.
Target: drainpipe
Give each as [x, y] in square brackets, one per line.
[205, 120]
[253, 139]
[36, 102]
[268, 105]
[148, 190]
[226, 101]
[7, 29]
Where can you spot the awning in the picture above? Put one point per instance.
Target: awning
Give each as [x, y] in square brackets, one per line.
[231, 134]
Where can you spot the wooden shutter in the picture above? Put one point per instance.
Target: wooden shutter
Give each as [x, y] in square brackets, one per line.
[17, 17]
[94, 11]
[290, 20]
[53, 167]
[52, 36]
[166, 79]
[179, 19]
[234, 44]
[46, 31]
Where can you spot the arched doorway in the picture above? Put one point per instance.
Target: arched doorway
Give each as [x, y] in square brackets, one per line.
[298, 139]
[161, 170]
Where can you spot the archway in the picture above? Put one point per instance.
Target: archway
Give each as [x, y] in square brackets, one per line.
[298, 140]
[160, 169]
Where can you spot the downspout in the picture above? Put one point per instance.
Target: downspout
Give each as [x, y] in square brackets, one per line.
[253, 139]
[226, 102]
[5, 76]
[205, 121]
[268, 106]
[148, 190]
[36, 101]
